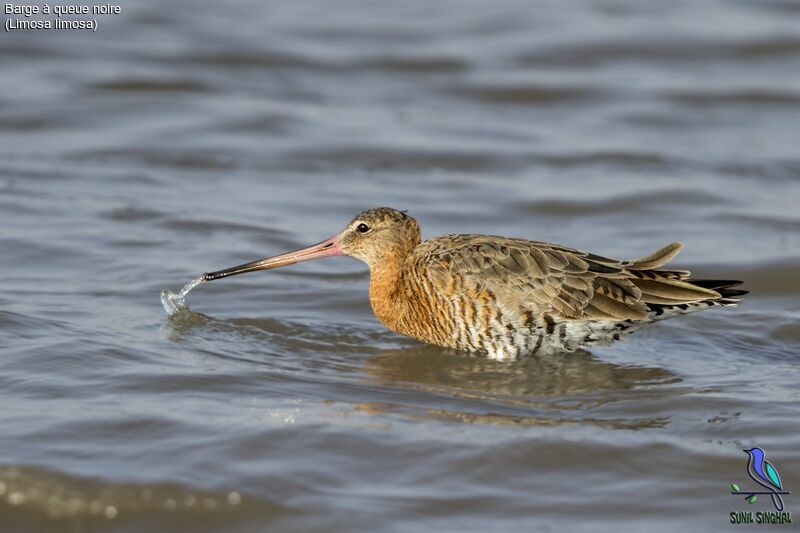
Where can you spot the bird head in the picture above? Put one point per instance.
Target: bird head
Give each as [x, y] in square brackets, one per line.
[379, 233]
[371, 236]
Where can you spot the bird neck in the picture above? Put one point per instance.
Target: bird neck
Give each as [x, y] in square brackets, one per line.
[385, 288]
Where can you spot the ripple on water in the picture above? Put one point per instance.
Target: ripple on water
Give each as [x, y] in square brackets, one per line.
[610, 158]
[155, 85]
[510, 95]
[659, 50]
[414, 64]
[132, 214]
[744, 97]
[211, 225]
[243, 59]
[28, 326]
[394, 158]
[207, 160]
[619, 204]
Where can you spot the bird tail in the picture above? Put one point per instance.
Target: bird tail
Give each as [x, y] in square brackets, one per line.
[680, 297]
[668, 293]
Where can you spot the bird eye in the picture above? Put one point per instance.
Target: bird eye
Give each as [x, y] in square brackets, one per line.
[362, 228]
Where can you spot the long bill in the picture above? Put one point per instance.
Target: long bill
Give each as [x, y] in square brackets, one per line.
[326, 248]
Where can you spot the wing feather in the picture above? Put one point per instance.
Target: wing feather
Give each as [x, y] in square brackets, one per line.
[568, 283]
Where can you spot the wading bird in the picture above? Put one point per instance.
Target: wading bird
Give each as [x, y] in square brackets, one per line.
[505, 297]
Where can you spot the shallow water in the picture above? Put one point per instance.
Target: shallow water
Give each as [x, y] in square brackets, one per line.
[183, 137]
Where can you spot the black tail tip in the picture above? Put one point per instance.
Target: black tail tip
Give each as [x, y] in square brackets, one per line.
[715, 284]
[722, 286]
[731, 293]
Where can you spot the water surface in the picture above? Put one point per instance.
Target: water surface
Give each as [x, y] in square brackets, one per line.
[184, 137]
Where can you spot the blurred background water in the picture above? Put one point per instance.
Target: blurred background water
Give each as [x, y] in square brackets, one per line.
[182, 137]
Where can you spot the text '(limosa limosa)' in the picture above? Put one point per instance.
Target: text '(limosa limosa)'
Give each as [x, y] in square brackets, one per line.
[501, 296]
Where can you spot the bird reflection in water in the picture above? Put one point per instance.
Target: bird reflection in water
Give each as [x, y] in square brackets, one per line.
[533, 391]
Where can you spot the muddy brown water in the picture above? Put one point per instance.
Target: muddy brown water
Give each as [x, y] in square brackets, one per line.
[183, 137]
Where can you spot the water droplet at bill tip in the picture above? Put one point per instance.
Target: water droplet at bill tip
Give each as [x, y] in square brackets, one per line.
[173, 302]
